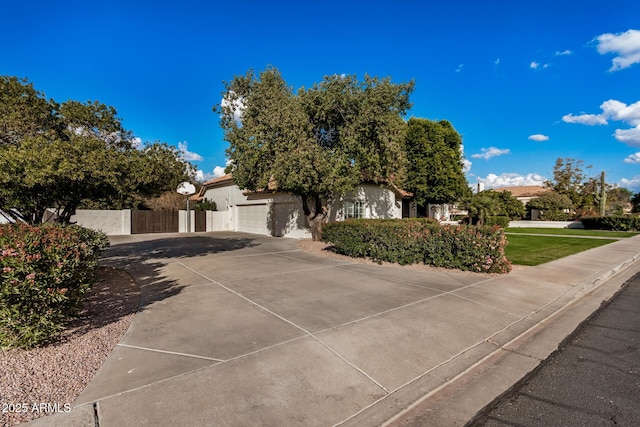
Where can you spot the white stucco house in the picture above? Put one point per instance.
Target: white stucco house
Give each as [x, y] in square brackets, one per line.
[280, 214]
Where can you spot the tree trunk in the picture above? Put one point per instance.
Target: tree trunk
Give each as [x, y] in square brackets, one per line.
[315, 219]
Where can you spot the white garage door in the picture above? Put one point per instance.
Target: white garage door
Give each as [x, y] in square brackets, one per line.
[253, 219]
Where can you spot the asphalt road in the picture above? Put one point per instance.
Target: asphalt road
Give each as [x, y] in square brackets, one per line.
[592, 380]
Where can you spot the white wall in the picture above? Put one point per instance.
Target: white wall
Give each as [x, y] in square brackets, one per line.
[111, 222]
[546, 224]
[285, 216]
[379, 202]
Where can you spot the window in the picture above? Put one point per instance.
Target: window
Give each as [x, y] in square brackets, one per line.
[353, 210]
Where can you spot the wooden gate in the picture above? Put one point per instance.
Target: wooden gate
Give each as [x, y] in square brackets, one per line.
[154, 222]
[201, 221]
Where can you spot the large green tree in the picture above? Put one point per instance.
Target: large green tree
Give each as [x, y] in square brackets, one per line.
[434, 162]
[63, 156]
[569, 179]
[553, 206]
[316, 143]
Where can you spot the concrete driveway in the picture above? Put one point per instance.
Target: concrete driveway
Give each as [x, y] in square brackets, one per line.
[238, 329]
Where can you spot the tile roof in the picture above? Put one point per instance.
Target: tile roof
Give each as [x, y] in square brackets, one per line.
[525, 190]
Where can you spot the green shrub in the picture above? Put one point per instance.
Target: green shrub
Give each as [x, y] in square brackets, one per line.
[499, 220]
[206, 205]
[473, 248]
[615, 223]
[44, 271]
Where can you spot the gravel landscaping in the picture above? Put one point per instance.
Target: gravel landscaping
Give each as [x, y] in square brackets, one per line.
[36, 382]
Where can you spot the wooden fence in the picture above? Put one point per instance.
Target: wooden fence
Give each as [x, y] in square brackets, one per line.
[201, 221]
[154, 222]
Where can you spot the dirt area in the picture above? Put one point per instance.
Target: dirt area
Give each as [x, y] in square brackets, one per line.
[53, 376]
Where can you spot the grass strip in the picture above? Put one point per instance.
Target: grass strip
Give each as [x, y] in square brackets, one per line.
[536, 250]
[571, 232]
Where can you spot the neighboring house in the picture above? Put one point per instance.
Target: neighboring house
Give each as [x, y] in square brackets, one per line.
[524, 193]
[280, 214]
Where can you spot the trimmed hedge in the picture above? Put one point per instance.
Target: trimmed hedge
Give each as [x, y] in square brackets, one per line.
[479, 249]
[45, 271]
[614, 223]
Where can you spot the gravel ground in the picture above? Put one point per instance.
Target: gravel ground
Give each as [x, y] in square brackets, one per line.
[56, 374]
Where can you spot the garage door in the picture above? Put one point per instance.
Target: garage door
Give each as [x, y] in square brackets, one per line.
[253, 219]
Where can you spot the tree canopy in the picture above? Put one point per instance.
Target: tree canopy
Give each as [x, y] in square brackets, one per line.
[318, 142]
[434, 162]
[73, 154]
[589, 195]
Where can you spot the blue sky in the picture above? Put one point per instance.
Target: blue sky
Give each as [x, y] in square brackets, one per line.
[523, 82]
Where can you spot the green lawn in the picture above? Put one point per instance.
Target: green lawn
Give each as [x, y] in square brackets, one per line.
[571, 232]
[535, 250]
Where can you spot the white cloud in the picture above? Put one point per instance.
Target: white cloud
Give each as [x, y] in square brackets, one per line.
[629, 136]
[237, 105]
[218, 171]
[617, 110]
[563, 53]
[497, 61]
[626, 45]
[459, 68]
[186, 154]
[535, 65]
[490, 152]
[585, 119]
[611, 109]
[136, 143]
[538, 137]
[633, 158]
[631, 184]
[466, 164]
[511, 180]
[614, 110]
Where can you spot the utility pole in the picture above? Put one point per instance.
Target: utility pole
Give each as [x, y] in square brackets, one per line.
[603, 195]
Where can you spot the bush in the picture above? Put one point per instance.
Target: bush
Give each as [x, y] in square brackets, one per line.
[45, 271]
[615, 223]
[206, 205]
[479, 249]
[499, 220]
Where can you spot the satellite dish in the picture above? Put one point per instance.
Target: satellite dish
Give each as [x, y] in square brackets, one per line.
[186, 188]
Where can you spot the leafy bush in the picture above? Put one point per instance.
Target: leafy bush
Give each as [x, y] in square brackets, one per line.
[552, 206]
[615, 223]
[206, 205]
[499, 220]
[479, 249]
[45, 271]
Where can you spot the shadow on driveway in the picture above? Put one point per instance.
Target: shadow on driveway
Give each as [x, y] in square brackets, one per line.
[146, 260]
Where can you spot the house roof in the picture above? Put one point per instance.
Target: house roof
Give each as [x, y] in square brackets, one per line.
[271, 187]
[199, 196]
[525, 190]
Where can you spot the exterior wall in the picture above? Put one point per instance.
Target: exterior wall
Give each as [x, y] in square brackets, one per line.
[284, 216]
[111, 222]
[379, 202]
[182, 221]
[217, 221]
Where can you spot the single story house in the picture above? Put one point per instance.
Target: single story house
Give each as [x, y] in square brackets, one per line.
[280, 214]
[524, 193]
